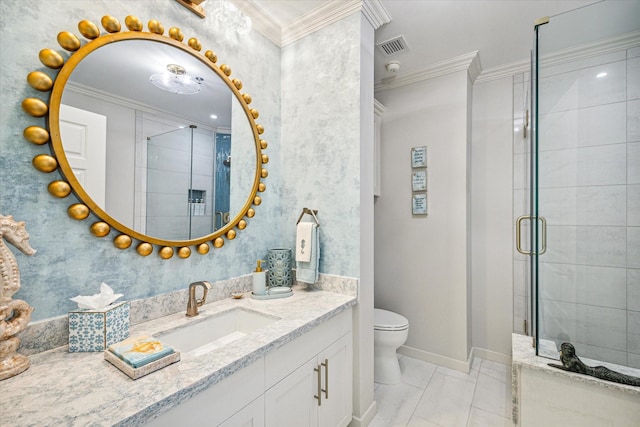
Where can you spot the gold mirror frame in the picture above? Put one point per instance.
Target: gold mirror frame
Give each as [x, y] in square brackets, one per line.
[47, 163]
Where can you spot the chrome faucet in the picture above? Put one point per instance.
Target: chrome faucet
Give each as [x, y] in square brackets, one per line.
[193, 304]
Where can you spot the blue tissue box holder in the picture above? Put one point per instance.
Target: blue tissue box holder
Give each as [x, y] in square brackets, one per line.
[96, 330]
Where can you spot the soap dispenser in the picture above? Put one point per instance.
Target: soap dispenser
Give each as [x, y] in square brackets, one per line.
[259, 280]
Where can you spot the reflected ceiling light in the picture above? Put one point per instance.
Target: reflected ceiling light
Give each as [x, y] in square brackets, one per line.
[601, 75]
[176, 80]
[213, 116]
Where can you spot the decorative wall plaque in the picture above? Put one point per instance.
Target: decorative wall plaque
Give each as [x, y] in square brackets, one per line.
[419, 180]
[419, 157]
[419, 204]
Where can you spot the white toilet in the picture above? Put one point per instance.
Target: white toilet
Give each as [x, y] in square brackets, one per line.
[390, 331]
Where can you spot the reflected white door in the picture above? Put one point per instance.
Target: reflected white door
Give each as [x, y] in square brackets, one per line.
[85, 144]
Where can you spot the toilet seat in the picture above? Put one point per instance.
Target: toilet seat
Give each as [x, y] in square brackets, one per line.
[384, 320]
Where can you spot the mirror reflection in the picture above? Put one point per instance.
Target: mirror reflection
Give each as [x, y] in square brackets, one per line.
[157, 139]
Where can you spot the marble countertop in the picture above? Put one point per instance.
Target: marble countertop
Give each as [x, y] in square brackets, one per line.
[83, 389]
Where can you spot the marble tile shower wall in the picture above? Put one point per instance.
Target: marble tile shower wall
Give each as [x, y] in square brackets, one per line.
[589, 192]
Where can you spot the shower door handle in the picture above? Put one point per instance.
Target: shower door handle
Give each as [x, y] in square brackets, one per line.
[519, 234]
[543, 230]
[543, 248]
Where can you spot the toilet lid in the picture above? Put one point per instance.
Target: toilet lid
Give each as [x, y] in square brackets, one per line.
[388, 320]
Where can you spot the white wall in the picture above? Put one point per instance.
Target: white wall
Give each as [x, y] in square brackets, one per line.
[363, 313]
[492, 230]
[421, 262]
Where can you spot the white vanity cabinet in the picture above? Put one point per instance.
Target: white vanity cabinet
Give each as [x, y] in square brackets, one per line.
[278, 389]
[251, 415]
[318, 392]
[235, 397]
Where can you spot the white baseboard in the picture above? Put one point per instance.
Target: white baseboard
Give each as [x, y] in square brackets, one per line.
[458, 365]
[494, 356]
[447, 362]
[366, 418]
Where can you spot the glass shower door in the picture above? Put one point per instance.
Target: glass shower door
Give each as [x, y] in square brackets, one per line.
[585, 183]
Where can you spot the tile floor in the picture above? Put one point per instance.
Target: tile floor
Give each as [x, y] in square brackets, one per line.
[435, 396]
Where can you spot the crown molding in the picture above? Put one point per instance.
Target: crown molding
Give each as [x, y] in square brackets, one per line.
[506, 70]
[469, 62]
[316, 19]
[478, 75]
[334, 11]
[375, 13]
[623, 42]
[475, 68]
[319, 18]
[378, 108]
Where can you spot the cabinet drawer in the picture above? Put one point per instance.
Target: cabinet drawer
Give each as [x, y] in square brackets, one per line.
[280, 362]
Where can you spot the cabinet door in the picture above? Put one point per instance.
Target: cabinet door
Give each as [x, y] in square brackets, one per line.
[251, 415]
[290, 403]
[336, 379]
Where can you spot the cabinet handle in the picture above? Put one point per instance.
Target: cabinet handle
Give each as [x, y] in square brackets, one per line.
[319, 396]
[326, 378]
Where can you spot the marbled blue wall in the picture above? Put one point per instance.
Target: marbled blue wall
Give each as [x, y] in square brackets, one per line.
[321, 140]
[312, 125]
[70, 261]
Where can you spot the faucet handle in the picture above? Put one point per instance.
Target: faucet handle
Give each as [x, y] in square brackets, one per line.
[205, 288]
[193, 304]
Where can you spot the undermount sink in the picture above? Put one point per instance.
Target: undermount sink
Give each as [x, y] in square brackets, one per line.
[202, 336]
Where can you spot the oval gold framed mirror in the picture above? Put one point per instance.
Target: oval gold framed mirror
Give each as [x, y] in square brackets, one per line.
[188, 72]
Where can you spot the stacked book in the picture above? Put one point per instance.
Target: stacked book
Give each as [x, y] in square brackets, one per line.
[139, 356]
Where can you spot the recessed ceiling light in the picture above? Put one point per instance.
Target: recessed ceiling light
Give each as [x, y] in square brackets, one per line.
[601, 75]
[213, 116]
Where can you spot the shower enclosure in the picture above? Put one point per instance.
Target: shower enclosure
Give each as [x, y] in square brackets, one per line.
[187, 183]
[577, 185]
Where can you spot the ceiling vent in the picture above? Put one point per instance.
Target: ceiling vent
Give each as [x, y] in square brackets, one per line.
[393, 46]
